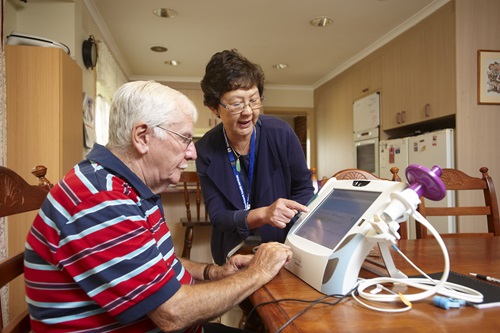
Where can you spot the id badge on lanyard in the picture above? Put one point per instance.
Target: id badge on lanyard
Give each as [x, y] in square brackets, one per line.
[244, 198]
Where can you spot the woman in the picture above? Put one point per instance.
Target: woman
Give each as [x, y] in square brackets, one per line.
[252, 169]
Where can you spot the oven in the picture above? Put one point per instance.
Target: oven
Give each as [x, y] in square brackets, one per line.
[366, 150]
[366, 123]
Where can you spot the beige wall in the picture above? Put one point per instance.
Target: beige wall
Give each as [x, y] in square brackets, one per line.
[477, 125]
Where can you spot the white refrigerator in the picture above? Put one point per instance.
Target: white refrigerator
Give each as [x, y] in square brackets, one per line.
[429, 149]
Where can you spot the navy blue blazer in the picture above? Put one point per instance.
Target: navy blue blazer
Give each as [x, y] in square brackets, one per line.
[280, 172]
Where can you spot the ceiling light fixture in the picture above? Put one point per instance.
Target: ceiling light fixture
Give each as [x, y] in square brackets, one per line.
[321, 21]
[280, 66]
[158, 48]
[172, 62]
[165, 12]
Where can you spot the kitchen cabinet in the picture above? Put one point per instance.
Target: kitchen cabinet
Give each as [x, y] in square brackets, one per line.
[403, 84]
[418, 80]
[45, 126]
[440, 63]
[391, 104]
[44, 110]
[367, 77]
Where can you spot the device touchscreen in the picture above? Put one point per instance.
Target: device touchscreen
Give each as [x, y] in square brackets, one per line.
[335, 216]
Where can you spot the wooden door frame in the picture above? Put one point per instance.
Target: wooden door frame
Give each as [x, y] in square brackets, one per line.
[311, 126]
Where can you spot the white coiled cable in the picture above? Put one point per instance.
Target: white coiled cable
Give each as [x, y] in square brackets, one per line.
[429, 285]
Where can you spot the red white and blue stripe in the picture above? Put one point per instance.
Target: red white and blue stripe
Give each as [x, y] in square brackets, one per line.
[99, 255]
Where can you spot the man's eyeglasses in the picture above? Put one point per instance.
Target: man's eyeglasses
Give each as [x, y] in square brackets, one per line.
[185, 140]
[238, 108]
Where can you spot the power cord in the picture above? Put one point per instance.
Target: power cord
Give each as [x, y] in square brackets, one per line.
[320, 300]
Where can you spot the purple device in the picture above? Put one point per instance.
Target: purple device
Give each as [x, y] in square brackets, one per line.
[426, 182]
[422, 182]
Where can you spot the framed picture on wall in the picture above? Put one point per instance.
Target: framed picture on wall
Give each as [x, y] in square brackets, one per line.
[488, 77]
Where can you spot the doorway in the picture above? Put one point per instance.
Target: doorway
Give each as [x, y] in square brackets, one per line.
[300, 122]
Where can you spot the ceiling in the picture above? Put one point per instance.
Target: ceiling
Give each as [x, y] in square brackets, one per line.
[267, 32]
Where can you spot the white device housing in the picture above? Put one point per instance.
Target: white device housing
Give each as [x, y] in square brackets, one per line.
[332, 240]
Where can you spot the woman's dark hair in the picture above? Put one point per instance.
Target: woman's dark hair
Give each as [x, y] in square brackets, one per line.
[226, 71]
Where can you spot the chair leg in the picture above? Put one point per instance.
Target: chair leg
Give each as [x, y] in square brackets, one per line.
[188, 242]
[403, 230]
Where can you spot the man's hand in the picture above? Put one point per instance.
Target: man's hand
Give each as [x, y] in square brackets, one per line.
[234, 264]
[270, 258]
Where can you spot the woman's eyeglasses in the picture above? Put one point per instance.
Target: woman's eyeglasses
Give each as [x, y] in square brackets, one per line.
[238, 108]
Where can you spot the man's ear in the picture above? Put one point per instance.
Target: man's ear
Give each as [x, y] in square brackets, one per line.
[141, 137]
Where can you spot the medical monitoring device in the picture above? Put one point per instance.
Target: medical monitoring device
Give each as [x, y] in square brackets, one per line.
[331, 241]
[347, 218]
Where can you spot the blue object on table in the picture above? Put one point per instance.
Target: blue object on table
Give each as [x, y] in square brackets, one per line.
[447, 303]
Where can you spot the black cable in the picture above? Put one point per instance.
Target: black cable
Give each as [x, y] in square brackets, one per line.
[314, 302]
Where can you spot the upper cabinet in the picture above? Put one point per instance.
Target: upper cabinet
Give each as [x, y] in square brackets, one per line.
[440, 62]
[403, 82]
[418, 73]
[366, 77]
[44, 110]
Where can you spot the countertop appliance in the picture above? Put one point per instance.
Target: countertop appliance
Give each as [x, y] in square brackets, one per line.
[366, 121]
[428, 149]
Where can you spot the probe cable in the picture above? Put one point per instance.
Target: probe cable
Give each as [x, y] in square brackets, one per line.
[429, 285]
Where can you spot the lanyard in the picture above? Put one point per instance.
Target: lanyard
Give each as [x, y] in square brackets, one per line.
[245, 199]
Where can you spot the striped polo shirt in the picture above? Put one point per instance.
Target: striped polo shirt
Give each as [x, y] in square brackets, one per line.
[99, 255]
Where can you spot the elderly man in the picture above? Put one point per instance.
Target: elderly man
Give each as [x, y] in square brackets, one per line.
[100, 257]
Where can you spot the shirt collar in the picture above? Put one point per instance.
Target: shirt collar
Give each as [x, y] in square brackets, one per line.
[113, 164]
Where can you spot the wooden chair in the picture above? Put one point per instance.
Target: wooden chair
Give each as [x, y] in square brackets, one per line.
[314, 179]
[457, 180]
[191, 185]
[362, 174]
[17, 196]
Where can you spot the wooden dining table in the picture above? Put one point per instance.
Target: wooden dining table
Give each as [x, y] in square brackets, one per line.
[467, 254]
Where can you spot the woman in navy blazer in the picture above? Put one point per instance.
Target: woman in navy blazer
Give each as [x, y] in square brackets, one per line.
[251, 167]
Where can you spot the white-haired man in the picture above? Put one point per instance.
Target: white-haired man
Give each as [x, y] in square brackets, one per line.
[100, 257]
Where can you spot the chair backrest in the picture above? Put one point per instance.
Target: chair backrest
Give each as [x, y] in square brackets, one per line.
[189, 181]
[356, 174]
[362, 174]
[17, 196]
[191, 184]
[459, 181]
[314, 179]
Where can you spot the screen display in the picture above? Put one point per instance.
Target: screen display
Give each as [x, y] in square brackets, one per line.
[335, 216]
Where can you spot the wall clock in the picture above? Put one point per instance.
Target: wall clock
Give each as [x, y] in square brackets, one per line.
[89, 52]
